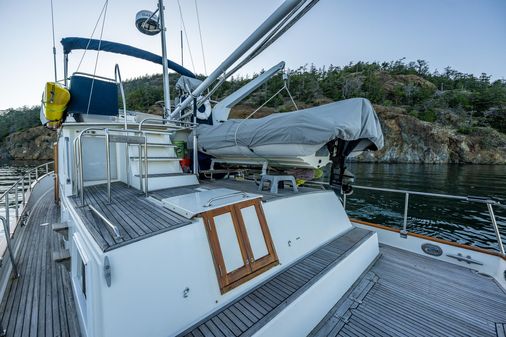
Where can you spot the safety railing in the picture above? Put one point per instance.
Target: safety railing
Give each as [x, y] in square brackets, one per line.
[179, 125]
[16, 197]
[481, 200]
[133, 137]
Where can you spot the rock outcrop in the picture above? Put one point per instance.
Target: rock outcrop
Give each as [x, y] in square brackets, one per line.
[410, 140]
[32, 144]
[407, 140]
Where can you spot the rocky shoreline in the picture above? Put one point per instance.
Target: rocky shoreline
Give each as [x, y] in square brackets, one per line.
[34, 144]
[407, 140]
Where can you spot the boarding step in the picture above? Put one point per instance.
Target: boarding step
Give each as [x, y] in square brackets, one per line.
[158, 181]
[161, 175]
[62, 257]
[295, 290]
[62, 229]
[156, 158]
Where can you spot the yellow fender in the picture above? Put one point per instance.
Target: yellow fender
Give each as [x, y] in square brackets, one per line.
[55, 100]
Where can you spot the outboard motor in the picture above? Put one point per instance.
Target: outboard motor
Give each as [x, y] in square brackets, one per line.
[340, 178]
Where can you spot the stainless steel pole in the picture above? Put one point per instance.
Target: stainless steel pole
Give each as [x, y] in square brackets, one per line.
[263, 29]
[145, 164]
[140, 167]
[496, 229]
[16, 201]
[23, 190]
[108, 165]
[404, 231]
[7, 232]
[65, 68]
[81, 174]
[166, 91]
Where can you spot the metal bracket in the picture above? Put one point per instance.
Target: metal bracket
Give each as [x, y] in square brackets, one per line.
[466, 259]
[107, 271]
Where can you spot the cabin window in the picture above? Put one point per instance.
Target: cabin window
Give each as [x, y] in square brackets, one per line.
[240, 242]
[81, 273]
[81, 267]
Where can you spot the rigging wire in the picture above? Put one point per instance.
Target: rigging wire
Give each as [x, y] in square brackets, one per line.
[54, 44]
[201, 40]
[98, 52]
[92, 33]
[275, 34]
[284, 87]
[186, 35]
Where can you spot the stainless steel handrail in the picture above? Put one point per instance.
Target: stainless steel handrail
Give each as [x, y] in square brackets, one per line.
[9, 245]
[143, 157]
[5, 196]
[108, 223]
[78, 159]
[482, 200]
[225, 196]
[189, 125]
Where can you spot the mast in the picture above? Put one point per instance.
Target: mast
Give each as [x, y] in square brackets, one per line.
[283, 10]
[166, 91]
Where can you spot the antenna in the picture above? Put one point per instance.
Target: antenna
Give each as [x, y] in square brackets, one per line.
[149, 23]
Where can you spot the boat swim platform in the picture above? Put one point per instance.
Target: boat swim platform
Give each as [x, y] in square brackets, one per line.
[40, 302]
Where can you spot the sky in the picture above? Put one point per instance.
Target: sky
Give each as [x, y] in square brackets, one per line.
[468, 35]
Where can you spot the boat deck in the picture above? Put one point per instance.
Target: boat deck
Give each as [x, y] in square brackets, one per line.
[40, 302]
[402, 294]
[135, 216]
[406, 294]
[251, 311]
[247, 186]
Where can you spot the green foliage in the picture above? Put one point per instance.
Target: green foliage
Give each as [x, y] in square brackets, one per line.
[13, 120]
[398, 83]
[477, 101]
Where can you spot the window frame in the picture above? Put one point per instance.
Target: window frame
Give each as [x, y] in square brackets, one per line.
[251, 267]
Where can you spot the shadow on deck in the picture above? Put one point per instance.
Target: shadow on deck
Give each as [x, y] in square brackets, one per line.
[40, 302]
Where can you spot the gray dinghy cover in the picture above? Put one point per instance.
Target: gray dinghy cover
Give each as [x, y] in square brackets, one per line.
[350, 119]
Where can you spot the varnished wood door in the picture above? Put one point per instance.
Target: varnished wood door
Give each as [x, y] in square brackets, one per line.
[257, 238]
[240, 242]
[225, 238]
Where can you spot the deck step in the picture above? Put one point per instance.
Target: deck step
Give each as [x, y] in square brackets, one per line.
[162, 175]
[62, 229]
[156, 158]
[288, 285]
[61, 255]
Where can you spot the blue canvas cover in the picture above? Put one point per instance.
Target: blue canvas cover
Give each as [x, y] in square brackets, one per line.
[104, 99]
[73, 43]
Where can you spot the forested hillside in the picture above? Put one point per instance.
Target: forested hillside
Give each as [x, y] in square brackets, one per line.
[427, 116]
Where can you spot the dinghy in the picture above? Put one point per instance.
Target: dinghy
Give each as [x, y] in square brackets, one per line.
[295, 139]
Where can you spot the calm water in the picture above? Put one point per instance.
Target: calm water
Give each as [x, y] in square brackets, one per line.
[8, 176]
[458, 221]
